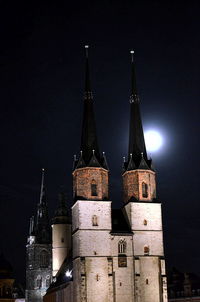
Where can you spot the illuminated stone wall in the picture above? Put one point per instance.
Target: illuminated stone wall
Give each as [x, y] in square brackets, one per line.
[61, 245]
[132, 185]
[150, 276]
[84, 177]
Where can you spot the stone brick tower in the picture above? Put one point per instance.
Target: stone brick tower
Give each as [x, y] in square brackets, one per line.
[61, 235]
[91, 212]
[38, 252]
[143, 211]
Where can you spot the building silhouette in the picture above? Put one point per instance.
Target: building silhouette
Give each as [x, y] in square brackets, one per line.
[106, 254]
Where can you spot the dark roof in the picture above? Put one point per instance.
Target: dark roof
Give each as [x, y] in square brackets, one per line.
[119, 222]
[61, 277]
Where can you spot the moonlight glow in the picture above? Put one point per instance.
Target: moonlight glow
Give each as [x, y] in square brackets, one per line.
[153, 140]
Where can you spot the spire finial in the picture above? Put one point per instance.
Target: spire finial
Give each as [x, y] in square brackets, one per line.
[88, 92]
[42, 187]
[134, 95]
[86, 51]
[132, 54]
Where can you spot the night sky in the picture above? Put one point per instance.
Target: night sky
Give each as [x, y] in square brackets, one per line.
[41, 96]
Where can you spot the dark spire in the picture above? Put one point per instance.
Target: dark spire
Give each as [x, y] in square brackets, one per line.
[42, 229]
[88, 91]
[136, 135]
[42, 189]
[89, 137]
[61, 214]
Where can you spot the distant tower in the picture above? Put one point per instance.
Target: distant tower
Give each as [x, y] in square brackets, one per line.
[61, 235]
[143, 211]
[38, 252]
[91, 212]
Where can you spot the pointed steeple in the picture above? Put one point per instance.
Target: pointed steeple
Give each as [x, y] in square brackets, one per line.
[88, 91]
[42, 190]
[61, 213]
[89, 137]
[104, 162]
[42, 230]
[143, 164]
[136, 135]
[131, 164]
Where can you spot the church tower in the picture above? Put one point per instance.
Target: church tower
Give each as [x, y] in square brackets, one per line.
[91, 212]
[38, 252]
[143, 210]
[61, 235]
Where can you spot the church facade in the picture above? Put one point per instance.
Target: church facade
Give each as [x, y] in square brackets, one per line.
[106, 254]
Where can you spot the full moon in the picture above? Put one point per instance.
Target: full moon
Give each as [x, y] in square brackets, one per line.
[153, 140]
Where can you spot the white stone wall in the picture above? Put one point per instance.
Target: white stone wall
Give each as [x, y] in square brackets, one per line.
[91, 243]
[146, 223]
[139, 211]
[82, 213]
[97, 279]
[152, 239]
[150, 279]
[61, 244]
[123, 278]
[91, 248]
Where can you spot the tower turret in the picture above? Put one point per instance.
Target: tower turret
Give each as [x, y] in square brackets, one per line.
[138, 177]
[38, 250]
[61, 234]
[90, 175]
[143, 210]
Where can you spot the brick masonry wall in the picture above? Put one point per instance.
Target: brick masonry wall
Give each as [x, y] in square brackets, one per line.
[132, 185]
[84, 177]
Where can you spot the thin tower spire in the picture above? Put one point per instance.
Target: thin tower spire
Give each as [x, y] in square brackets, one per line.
[89, 137]
[42, 188]
[136, 135]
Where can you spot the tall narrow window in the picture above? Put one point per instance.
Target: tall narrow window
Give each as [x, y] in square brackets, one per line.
[44, 259]
[94, 188]
[39, 282]
[94, 220]
[48, 281]
[122, 247]
[144, 190]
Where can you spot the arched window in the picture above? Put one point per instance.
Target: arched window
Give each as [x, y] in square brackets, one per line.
[122, 247]
[146, 250]
[94, 220]
[44, 259]
[144, 190]
[94, 188]
[39, 282]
